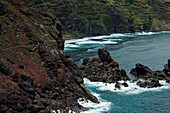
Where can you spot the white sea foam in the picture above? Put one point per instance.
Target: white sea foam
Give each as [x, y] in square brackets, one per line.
[107, 39]
[103, 106]
[76, 40]
[96, 42]
[61, 111]
[91, 50]
[117, 39]
[118, 35]
[100, 37]
[69, 49]
[70, 41]
[71, 45]
[165, 31]
[131, 89]
[147, 33]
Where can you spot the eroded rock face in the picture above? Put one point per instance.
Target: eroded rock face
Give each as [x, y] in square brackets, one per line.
[151, 78]
[35, 74]
[103, 69]
[141, 71]
[104, 56]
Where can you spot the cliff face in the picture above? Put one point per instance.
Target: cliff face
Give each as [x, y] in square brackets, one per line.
[98, 17]
[35, 74]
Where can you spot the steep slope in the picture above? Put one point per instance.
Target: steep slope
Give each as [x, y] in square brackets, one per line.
[35, 74]
[98, 17]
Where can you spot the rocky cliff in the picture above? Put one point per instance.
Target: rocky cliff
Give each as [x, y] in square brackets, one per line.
[35, 74]
[98, 17]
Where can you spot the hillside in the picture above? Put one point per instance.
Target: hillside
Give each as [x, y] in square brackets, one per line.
[35, 74]
[98, 17]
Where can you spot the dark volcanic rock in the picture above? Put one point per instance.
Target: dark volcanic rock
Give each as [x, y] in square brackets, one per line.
[151, 78]
[125, 84]
[4, 69]
[167, 68]
[141, 70]
[3, 108]
[142, 84]
[103, 69]
[149, 83]
[168, 79]
[40, 77]
[118, 85]
[27, 84]
[104, 55]
[154, 83]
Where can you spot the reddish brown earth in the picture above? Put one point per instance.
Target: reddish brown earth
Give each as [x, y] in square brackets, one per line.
[35, 74]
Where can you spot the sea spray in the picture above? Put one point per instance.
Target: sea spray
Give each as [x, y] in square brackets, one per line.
[132, 88]
[103, 106]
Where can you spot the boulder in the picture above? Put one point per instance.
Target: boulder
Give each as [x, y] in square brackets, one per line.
[142, 84]
[104, 56]
[141, 71]
[149, 83]
[27, 84]
[125, 84]
[4, 69]
[154, 83]
[160, 75]
[124, 75]
[168, 79]
[118, 85]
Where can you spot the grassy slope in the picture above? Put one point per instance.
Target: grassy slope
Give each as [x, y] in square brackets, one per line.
[97, 17]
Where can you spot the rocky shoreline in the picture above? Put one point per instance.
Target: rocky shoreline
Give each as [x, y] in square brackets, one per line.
[36, 76]
[105, 69]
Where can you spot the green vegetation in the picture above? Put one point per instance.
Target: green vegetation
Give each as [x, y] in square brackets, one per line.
[98, 17]
[67, 34]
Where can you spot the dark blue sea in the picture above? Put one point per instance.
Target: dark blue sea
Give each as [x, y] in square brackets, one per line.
[151, 49]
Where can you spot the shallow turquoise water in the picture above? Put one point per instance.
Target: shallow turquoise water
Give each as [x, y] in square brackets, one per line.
[151, 49]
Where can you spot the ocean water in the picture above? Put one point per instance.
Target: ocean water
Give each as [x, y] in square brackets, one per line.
[151, 49]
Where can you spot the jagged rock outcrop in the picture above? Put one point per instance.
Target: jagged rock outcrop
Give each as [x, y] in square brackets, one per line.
[103, 69]
[35, 75]
[151, 78]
